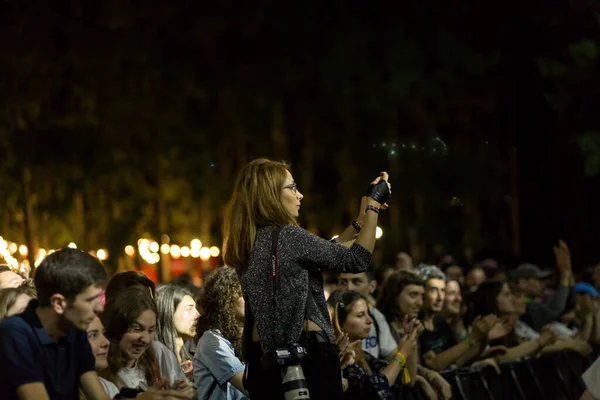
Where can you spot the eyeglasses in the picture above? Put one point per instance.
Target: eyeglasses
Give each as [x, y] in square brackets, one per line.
[293, 187]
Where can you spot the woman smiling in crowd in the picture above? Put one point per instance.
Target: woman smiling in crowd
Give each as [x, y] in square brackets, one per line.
[402, 297]
[135, 360]
[368, 377]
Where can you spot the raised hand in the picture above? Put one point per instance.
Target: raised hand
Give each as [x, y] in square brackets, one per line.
[501, 328]
[482, 326]
[408, 343]
[380, 190]
[187, 367]
[347, 353]
[563, 257]
[418, 326]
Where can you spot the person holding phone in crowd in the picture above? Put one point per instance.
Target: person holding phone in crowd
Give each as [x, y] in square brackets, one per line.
[282, 308]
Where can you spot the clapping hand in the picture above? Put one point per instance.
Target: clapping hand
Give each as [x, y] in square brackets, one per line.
[482, 326]
[501, 328]
[157, 392]
[187, 367]
[563, 260]
[408, 343]
[347, 353]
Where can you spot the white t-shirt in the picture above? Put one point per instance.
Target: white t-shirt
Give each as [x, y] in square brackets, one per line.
[591, 378]
[109, 388]
[383, 346]
[168, 367]
[524, 332]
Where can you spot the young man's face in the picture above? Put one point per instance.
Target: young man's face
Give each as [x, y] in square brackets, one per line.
[434, 295]
[356, 282]
[81, 311]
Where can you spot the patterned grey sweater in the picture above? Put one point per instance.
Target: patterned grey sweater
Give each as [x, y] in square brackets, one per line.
[299, 252]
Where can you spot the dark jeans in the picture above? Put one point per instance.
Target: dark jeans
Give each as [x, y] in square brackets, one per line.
[321, 369]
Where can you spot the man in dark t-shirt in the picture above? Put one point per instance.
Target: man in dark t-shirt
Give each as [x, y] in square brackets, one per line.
[438, 340]
[438, 347]
[44, 352]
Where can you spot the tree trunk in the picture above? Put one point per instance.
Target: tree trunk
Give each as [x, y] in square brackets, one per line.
[514, 204]
[164, 273]
[79, 228]
[278, 133]
[30, 229]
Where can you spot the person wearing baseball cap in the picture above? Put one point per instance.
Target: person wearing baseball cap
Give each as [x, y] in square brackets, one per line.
[528, 278]
[586, 288]
[585, 315]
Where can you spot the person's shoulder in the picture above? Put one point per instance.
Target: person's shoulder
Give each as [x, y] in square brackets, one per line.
[291, 229]
[14, 324]
[159, 348]
[299, 234]
[439, 319]
[109, 388]
[212, 339]
[376, 313]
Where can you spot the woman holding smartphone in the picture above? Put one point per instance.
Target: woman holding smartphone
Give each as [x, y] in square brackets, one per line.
[282, 281]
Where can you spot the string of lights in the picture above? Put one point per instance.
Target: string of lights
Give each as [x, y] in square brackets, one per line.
[15, 255]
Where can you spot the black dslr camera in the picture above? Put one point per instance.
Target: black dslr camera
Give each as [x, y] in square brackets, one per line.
[292, 355]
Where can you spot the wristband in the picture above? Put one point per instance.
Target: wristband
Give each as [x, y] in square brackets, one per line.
[468, 341]
[401, 360]
[539, 342]
[356, 226]
[401, 357]
[372, 208]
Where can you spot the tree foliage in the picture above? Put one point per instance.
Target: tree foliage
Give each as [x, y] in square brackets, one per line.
[133, 118]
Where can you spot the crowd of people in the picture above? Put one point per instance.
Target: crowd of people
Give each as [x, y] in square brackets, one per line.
[290, 316]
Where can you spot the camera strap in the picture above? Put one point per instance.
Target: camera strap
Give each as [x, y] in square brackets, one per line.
[275, 283]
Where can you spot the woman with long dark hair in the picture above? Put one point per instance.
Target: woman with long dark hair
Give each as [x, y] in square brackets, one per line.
[402, 298]
[495, 297]
[369, 377]
[176, 322]
[217, 369]
[281, 277]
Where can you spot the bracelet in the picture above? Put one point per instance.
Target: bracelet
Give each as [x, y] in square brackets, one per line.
[356, 225]
[372, 208]
[468, 341]
[401, 360]
[401, 357]
[539, 342]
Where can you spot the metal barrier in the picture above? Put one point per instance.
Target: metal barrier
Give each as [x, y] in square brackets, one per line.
[549, 377]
